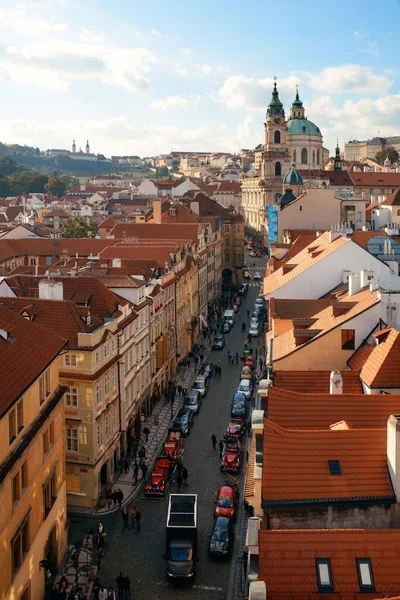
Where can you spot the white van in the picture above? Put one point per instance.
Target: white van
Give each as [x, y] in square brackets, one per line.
[229, 316]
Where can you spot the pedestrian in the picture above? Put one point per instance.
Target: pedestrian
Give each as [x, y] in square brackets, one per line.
[256, 353]
[248, 314]
[229, 356]
[138, 517]
[144, 470]
[179, 481]
[121, 585]
[108, 498]
[214, 440]
[125, 517]
[120, 497]
[179, 390]
[134, 447]
[127, 586]
[260, 362]
[126, 464]
[141, 454]
[219, 371]
[103, 594]
[100, 529]
[237, 358]
[201, 358]
[135, 473]
[221, 448]
[133, 515]
[185, 476]
[111, 594]
[146, 432]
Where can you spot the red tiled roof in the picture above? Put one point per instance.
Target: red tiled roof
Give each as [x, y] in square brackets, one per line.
[305, 476]
[314, 410]
[359, 357]
[285, 308]
[317, 382]
[22, 359]
[50, 247]
[287, 562]
[370, 178]
[170, 231]
[229, 186]
[108, 222]
[381, 368]
[393, 199]
[361, 237]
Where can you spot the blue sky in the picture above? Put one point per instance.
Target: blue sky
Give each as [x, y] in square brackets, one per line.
[146, 77]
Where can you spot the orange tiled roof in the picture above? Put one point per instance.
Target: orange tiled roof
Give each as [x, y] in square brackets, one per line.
[359, 357]
[22, 359]
[314, 410]
[296, 465]
[393, 199]
[381, 368]
[370, 178]
[325, 321]
[317, 382]
[170, 231]
[286, 308]
[322, 248]
[361, 237]
[287, 561]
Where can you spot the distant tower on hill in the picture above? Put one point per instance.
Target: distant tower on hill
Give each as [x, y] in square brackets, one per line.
[73, 146]
[337, 166]
[87, 147]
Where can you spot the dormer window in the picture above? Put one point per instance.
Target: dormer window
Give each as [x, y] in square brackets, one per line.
[365, 576]
[324, 574]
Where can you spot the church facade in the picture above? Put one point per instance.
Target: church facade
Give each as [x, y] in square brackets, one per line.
[293, 140]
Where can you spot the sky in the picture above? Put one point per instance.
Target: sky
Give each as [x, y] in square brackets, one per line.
[150, 77]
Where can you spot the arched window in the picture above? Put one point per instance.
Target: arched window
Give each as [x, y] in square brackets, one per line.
[398, 212]
[278, 168]
[277, 137]
[294, 156]
[304, 156]
[318, 157]
[313, 157]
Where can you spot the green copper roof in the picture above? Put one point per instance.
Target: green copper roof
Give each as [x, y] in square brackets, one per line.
[297, 102]
[275, 107]
[293, 177]
[302, 127]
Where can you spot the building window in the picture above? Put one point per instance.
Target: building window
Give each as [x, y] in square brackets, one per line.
[33, 261]
[227, 241]
[16, 420]
[99, 435]
[334, 467]
[324, 574]
[278, 168]
[277, 137]
[227, 257]
[73, 484]
[49, 494]
[49, 261]
[107, 426]
[365, 576]
[72, 396]
[227, 228]
[318, 157]
[98, 392]
[106, 385]
[294, 156]
[70, 360]
[348, 339]
[72, 440]
[300, 208]
[114, 378]
[20, 415]
[20, 546]
[304, 156]
[97, 357]
[20, 482]
[106, 350]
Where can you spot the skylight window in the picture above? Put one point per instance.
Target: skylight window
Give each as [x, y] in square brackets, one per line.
[324, 574]
[334, 467]
[365, 577]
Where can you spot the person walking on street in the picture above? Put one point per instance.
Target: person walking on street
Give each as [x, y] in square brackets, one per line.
[146, 432]
[141, 454]
[260, 362]
[214, 440]
[135, 473]
[133, 517]
[144, 470]
[229, 356]
[221, 448]
[127, 586]
[120, 584]
[248, 314]
[126, 464]
[185, 476]
[120, 497]
[125, 517]
[179, 480]
[237, 358]
[138, 517]
[111, 594]
[103, 594]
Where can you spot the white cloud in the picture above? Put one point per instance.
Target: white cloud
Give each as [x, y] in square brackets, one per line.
[24, 18]
[205, 69]
[173, 102]
[349, 78]
[240, 91]
[369, 46]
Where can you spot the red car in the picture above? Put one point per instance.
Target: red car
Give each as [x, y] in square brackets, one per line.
[173, 447]
[226, 499]
[230, 459]
[235, 429]
[249, 363]
[158, 479]
[235, 308]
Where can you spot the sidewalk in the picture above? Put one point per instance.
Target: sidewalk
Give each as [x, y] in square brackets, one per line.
[157, 436]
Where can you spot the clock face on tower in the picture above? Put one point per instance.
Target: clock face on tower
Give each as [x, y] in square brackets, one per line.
[277, 120]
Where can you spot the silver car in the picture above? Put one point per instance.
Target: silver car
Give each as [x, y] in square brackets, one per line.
[200, 384]
[193, 401]
[245, 387]
[253, 332]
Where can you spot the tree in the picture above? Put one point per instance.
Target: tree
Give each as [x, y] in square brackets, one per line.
[5, 189]
[20, 182]
[163, 172]
[390, 152]
[8, 165]
[38, 184]
[56, 187]
[76, 227]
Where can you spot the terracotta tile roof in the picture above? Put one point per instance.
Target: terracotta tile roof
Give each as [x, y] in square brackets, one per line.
[315, 410]
[381, 368]
[50, 247]
[287, 561]
[317, 382]
[370, 178]
[305, 476]
[359, 357]
[108, 222]
[170, 231]
[393, 199]
[29, 350]
[57, 212]
[325, 321]
[178, 213]
[285, 308]
[229, 186]
[160, 254]
[335, 178]
[361, 237]
[303, 261]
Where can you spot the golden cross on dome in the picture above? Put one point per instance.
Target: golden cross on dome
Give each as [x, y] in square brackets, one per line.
[297, 88]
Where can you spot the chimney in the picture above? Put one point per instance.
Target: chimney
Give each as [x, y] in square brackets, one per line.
[393, 452]
[257, 590]
[157, 210]
[333, 235]
[354, 284]
[366, 276]
[51, 290]
[346, 275]
[4, 334]
[336, 383]
[116, 262]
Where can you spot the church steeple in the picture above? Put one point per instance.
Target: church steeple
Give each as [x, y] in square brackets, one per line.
[87, 147]
[275, 107]
[297, 109]
[337, 165]
[73, 145]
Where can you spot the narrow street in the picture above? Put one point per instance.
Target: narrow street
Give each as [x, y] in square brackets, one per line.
[140, 554]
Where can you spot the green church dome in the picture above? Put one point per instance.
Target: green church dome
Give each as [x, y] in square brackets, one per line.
[302, 127]
[293, 177]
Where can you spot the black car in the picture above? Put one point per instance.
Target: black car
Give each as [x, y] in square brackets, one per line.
[238, 408]
[221, 538]
[225, 327]
[183, 421]
[207, 370]
[219, 342]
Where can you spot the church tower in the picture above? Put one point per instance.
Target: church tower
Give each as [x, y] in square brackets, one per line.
[87, 147]
[73, 146]
[276, 160]
[337, 165]
[297, 110]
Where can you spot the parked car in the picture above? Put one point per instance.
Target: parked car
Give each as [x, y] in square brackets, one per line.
[252, 253]
[218, 343]
[254, 332]
[231, 456]
[158, 479]
[173, 447]
[221, 539]
[259, 301]
[207, 369]
[236, 428]
[226, 500]
[183, 421]
[225, 327]
[201, 385]
[246, 388]
[238, 408]
[245, 373]
[193, 401]
[254, 322]
[257, 277]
